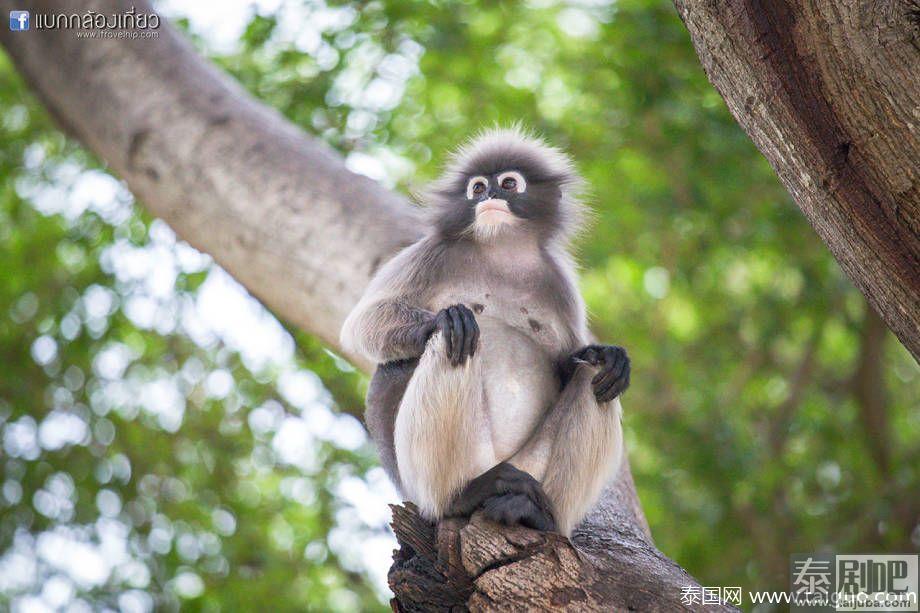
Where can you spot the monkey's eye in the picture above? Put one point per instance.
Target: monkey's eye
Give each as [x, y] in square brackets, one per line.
[512, 181]
[476, 187]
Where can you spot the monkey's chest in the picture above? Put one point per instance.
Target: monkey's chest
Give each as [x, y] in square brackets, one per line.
[526, 315]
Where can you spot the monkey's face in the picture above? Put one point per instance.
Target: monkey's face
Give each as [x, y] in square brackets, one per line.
[505, 183]
[503, 200]
[492, 197]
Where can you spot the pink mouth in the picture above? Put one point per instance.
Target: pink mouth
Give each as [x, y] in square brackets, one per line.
[493, 210]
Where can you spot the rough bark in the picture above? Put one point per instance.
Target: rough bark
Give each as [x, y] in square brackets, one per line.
[828, 91]
[481, 566]
[279, 210]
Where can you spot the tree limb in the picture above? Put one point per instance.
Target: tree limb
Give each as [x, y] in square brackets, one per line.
[827, 90]
[274, 206]
[279, 210]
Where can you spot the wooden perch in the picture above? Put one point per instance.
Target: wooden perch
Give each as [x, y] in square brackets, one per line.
[483, 566]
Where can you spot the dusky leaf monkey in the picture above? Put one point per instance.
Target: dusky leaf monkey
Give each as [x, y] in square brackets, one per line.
[489, 393]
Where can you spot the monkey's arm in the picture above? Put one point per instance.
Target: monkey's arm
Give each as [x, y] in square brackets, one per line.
[390, 322]
[385, 330]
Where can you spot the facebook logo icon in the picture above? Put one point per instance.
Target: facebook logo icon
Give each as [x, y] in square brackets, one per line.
[19, 21]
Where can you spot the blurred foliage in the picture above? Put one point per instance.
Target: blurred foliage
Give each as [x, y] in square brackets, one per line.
[758, 422]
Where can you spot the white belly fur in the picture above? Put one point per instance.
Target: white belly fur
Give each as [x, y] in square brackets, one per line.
[519, 382]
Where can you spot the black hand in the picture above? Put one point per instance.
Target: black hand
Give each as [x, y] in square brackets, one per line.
[461, 332]
[613, 366]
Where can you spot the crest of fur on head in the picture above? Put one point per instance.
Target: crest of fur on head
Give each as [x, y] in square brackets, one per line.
[548, 171]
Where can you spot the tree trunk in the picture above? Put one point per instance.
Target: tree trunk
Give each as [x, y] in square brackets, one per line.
[279, 211]
[829, 91]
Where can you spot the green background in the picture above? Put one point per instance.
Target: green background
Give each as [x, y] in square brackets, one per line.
[759, 422]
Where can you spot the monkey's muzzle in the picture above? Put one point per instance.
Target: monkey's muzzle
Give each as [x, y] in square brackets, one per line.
[493, 211]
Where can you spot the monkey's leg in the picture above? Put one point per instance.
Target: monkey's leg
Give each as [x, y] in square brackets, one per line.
[576, 449]
[385, 393]
[442, 432]
[573, 453]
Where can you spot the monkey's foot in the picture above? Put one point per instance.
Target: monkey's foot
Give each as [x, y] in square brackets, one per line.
[506, 495]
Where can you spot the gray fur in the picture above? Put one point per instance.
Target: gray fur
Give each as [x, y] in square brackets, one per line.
[437, 425]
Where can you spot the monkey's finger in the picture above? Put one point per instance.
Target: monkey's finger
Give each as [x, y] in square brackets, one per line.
[624, 382]
[609, 383]
[618, 386]
[466, 502]
[621, 357]
[543, 518]
[612, 355]
[475, 344]
[616, 389]
[609, 365]
[456, 330]
[604, 377]
[469, 333]
[485, 486]
[512, 509]
[613, 368]
[465, 331]
[607, 396]
[473, 331]
[604, 394]
[620, 369]
[444, 328]
[450, 334]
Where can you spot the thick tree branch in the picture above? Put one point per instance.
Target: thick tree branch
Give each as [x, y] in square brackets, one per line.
[279, 210]
[828, 91]
[274, 206]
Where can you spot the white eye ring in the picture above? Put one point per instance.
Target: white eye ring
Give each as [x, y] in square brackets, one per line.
[472, 185]
[513, 174]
